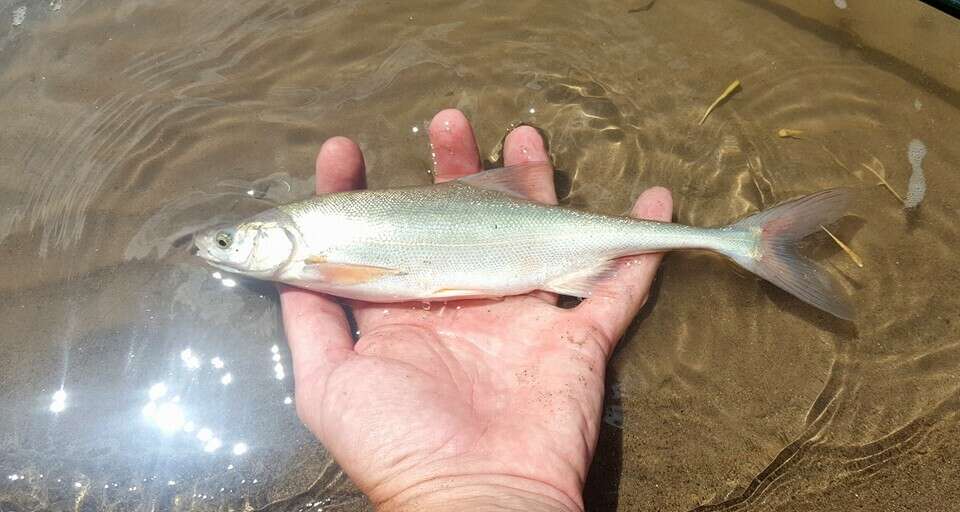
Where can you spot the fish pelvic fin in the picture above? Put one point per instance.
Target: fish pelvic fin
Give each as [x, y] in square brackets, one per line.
[776, 259]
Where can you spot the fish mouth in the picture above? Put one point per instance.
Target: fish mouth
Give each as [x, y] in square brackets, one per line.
[202, 251]
[221, 266]
[213, 262]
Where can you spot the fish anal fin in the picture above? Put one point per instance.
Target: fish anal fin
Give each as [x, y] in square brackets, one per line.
[345, 273]
[582, 283]
[463, 293]
[515, 180]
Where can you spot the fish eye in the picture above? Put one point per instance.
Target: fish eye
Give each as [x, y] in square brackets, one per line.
[224, 239]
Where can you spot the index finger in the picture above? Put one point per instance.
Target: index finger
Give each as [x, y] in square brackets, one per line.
[454, 147]
[525, 145]
[317, 329]
[339, 166]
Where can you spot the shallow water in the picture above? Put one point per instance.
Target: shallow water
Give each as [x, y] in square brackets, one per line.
[127, 125]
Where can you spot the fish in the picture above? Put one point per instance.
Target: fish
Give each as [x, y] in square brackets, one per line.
[480, 237]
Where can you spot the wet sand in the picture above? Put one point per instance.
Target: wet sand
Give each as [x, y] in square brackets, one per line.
[127, 126]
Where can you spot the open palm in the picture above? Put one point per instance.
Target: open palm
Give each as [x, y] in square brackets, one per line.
[480, 401]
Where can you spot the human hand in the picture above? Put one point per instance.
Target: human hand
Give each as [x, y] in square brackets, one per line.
[467, 405]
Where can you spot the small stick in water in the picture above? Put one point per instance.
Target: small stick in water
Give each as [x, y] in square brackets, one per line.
[835, 158]
[789, 133]
[883, 181]
[729, 90]
[853, 256]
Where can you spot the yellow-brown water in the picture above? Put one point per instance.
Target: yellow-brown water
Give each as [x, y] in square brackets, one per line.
[127, 125]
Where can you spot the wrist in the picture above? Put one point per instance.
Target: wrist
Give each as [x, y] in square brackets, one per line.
[487, 493]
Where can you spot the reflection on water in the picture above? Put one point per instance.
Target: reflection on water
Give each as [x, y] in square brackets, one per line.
[133, 377]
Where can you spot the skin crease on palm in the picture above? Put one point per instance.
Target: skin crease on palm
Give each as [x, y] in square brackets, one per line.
[470, 405]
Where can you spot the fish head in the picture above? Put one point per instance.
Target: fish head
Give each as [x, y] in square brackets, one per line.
[256, 249]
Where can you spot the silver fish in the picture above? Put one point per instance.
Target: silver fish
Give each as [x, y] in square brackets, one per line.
[477, 237]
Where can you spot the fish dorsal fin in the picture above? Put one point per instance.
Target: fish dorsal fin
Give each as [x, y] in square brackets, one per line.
[515, 180]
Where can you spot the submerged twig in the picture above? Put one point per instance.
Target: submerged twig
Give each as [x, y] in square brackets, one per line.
[727, 92]
[834, 157]
[853, 256]
[642, 8]
[789, 133]
[883, 181]
[879, 176]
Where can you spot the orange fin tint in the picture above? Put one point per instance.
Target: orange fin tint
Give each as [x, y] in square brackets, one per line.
[345, 273]
[463, 293]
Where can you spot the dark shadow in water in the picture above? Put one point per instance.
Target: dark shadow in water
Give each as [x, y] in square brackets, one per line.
[562, 183]
[642, 8]
[951, 7]
[782, 299]
[351, 320]
[184, 243]
[601, 491]
[796, 453]
[256, 286]
[561, 178]
[269, 289]
[914, 218]
[905, 70]
[791, 305]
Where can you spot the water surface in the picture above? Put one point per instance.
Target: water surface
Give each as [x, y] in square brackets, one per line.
[134, 378]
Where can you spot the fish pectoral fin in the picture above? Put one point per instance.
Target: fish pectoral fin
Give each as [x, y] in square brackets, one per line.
[581, 283]
[515, 180]
[345, 273]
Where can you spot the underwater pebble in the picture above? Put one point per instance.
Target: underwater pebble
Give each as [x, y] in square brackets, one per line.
[19, 14]
[917, 186]
[841, 4]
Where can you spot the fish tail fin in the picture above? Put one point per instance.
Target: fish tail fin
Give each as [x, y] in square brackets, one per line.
[775, 256]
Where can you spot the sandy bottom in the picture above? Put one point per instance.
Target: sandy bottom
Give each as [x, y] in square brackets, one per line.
[127, 126]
